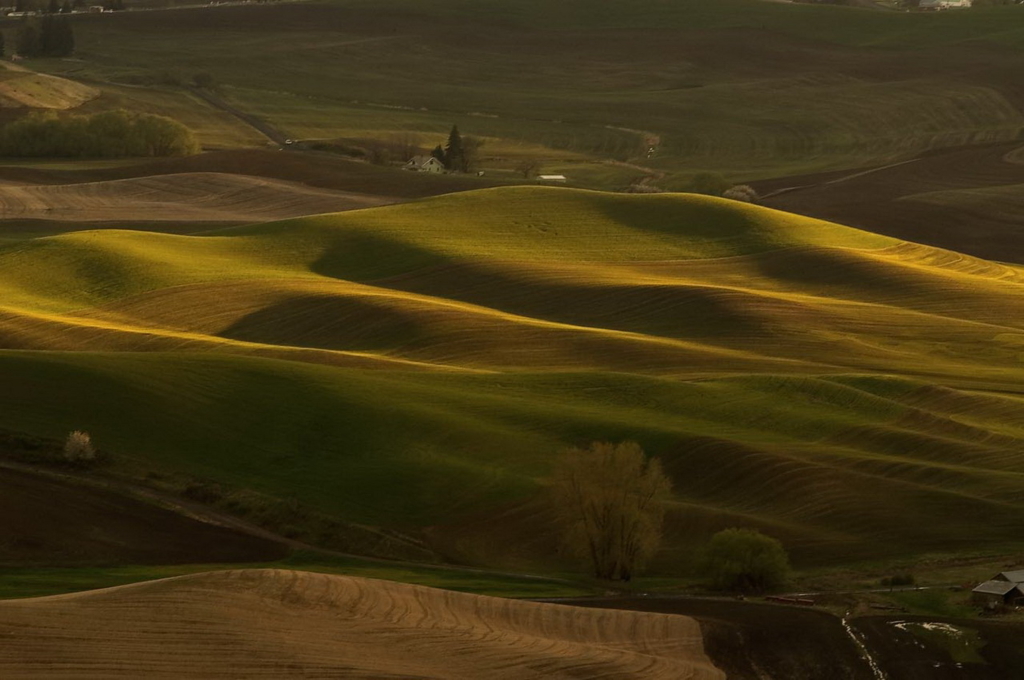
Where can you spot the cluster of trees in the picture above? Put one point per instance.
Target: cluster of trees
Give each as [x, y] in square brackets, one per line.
[112, 134]
[47, 36]
[609, 502]
[459, 154]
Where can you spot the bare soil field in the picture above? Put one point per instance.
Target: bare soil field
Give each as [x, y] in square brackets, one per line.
[756, 641]
[273, 624]
[929, 648]
[905, 200]
[92, 525]
[186, 197]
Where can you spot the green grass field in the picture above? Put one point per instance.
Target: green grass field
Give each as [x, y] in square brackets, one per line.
[40, 582]
[419, 367]
[743, 87]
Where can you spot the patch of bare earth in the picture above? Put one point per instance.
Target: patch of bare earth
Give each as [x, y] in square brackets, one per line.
[277, 624]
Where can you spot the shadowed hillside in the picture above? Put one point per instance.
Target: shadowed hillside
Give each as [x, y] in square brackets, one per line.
[91, 525]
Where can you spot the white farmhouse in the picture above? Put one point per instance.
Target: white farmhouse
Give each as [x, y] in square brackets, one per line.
[424, 164]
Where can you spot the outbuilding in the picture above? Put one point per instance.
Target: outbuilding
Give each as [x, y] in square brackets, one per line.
[1006, 588]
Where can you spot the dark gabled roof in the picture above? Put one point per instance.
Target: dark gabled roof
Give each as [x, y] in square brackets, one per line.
[1016, 576]
[995, 587]
[420, 161]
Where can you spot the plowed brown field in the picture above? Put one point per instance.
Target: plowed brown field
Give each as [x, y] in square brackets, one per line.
[277, 624]
[186, 197]
[963, 199]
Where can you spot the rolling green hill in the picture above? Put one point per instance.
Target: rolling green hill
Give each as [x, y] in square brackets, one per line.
[418, 367]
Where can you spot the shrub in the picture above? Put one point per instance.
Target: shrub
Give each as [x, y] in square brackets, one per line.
[745, 561]
[78, 449]
[906, 579]
[742, 192]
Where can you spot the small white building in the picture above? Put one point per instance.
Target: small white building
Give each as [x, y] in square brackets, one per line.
[936, 5]
[424, 164]
[561, 179]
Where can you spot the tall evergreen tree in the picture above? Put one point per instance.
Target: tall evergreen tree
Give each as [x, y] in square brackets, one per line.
[29, 38]
[454, 154]
[52, 36]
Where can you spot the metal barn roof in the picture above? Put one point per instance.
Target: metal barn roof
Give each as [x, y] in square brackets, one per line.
[995, 587]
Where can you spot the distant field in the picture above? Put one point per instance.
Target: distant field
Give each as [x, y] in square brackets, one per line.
[203, 197]
[969, 200]
[748, 88]
[417, 367]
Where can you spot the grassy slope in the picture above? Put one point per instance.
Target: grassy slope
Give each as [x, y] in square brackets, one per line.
[515, 322]
[750, 88]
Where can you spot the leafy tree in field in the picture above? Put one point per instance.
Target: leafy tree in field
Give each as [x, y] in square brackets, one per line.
[3, 45]
[745, 561]
[607, 498]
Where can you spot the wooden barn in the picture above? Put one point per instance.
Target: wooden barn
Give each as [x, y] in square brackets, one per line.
[1006, 588]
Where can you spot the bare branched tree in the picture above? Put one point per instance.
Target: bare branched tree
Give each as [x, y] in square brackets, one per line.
[407, 144]
[608, 498]
[528, 167]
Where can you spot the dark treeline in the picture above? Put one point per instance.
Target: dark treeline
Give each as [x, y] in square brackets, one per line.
[112, 134]
[46, 36]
